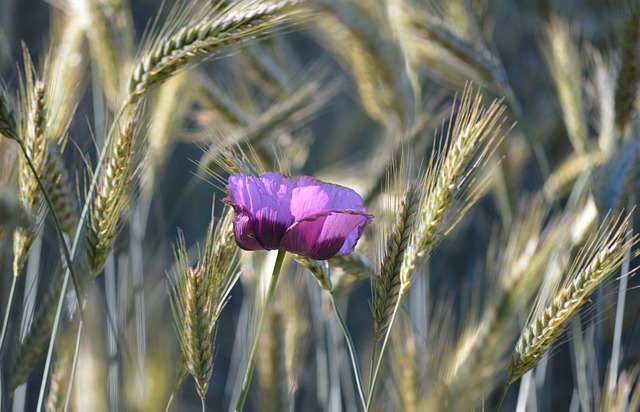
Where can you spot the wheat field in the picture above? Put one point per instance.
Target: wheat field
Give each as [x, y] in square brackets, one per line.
[489, 150]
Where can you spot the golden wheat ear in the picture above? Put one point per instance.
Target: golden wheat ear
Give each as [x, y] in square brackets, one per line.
[596, 262]
[113, 191]
[199, 295]
[203, 35]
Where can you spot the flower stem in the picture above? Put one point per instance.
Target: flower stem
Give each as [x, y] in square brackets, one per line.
[383, 350]
[254, 351]
[352, 352]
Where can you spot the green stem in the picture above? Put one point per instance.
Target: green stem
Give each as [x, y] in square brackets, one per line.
[204, 408]
[254, 351]
[383, 351]
[373, 360]
[7, 313]
[502, 396]
[352, 352]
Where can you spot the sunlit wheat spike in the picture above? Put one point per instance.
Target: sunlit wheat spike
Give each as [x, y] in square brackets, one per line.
[388, 285]
[241, 21]
[34, 140]
[60, 190]
[220, 261]
[192, 313]
[597, 261]
[111, 198]
[8, 116]
[629, 73]
[199, 294]
[564, 64]
[466, 147]
[28, 353]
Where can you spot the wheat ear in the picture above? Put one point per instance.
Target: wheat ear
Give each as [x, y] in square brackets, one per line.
[475, 133]
[60, 190]
[241, 21]
[34, 141]
[8, 116]
[110, 200]
[387, 286]
[199, 295]
[543, 329]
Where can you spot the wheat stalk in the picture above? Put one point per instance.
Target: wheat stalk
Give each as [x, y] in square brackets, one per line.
[238, 23]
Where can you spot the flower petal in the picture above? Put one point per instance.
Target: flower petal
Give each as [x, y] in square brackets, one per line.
[311, 197]
[243, 230]
[266, 200]
[322, 236]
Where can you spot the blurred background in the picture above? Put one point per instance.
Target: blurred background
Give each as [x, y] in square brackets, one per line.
[318, 97]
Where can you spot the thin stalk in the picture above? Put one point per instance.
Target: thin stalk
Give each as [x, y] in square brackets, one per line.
[373, 361]
[502, 396]
[203, 406]
[383, 351]
[170, 401]
[622, 294]
[265, 310]
[7, 314]
[352, 352]
[74, 250]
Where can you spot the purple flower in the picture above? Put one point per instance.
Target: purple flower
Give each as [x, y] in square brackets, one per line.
[299, 215]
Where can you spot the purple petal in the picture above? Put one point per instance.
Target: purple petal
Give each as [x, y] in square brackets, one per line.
[301, 237]
[322, 236]
[311, 197]
[243, 230]
[266, 200]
